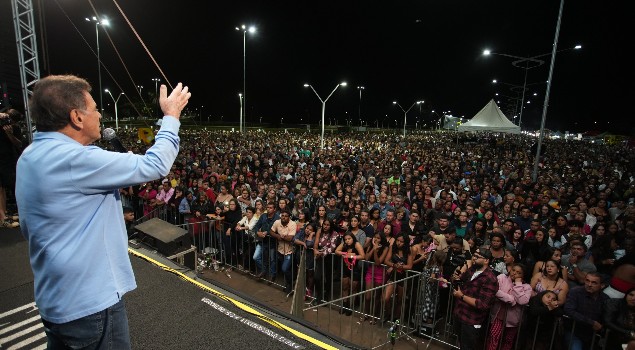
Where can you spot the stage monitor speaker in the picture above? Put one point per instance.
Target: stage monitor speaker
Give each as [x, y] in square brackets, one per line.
[165, 237]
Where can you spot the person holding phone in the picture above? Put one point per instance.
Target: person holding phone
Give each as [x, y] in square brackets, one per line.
[474, 293]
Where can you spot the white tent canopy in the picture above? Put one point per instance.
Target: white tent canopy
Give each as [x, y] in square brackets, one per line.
[490, 118]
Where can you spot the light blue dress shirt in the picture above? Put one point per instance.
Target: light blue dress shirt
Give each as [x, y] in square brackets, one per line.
[71, 215]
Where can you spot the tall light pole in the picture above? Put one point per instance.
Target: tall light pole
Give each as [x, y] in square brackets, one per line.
[359, 113]
[527, 63]
[516, 88]
[115, 101]
[546, 103]
[324, 106]
[405, 113]
[156, 93]
[139, 88]
[244, 29]
[103, 22]
[509, 109]
[240, 97]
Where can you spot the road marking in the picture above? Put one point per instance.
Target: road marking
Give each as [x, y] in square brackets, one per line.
[18, 309]
[253, 325]
[21, 333]
[28, 341]
[19, 324]
[240, 305]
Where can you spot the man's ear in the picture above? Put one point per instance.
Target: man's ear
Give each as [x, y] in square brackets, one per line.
[76, 119]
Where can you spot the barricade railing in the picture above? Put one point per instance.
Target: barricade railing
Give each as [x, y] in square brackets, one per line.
[365, 303]
[164, 213]
[532, 331]
[158, 212]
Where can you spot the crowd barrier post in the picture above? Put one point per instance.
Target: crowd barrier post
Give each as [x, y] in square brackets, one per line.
[347, 292]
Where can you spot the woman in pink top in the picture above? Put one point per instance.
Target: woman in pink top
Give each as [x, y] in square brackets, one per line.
[507, 311]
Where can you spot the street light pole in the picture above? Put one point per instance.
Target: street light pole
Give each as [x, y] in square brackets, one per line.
[405, 113]
[156, 93]
[243, 114]
[521, 99]
[324, 106]
[97, 23]
[535, 61]
[546, 104]
[240, 97]
[359, 113]
[116, 112]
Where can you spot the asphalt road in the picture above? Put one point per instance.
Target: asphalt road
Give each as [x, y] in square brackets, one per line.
[165, 311]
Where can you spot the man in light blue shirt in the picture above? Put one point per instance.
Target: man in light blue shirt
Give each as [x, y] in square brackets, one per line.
[70, 211]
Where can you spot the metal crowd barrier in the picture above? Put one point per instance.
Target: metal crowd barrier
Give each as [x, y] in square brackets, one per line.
[371, 312]
[164, 213]
[354, 304]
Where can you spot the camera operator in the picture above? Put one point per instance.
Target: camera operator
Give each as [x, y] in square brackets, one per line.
[474, 293]
[457, 259]
[11, 146]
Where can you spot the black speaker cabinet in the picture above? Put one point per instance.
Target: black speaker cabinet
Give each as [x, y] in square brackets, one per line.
[185, 258]
[166, 238]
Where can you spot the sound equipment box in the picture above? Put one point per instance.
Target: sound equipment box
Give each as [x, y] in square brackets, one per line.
[187, 258]
[166, 238]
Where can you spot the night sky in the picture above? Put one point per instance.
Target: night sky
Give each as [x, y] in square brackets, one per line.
[400, 50]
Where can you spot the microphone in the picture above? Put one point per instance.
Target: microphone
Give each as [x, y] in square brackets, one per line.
[109, 135]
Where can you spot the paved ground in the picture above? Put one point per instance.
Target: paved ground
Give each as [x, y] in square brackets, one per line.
[169, 311]
[165, 311]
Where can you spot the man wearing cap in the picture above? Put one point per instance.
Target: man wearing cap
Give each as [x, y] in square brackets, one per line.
[474, 293]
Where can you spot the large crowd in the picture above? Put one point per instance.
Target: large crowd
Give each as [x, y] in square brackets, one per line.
[462, 210]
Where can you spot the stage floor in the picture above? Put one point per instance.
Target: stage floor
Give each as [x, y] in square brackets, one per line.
[166, 311]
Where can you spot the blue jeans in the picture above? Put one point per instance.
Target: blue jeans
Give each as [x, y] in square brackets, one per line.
[259, 255]
[577, 342]
[287, 268]
[106, 329]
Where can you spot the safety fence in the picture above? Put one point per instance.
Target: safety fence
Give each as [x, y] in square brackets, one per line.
[144, 211]
[368, 304]
[164, 213]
